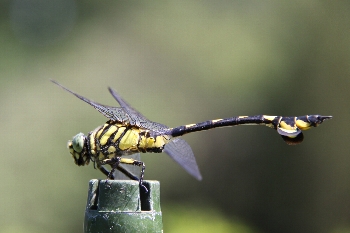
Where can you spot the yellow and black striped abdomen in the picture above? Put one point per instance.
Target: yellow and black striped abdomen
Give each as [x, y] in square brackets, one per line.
[115, 139]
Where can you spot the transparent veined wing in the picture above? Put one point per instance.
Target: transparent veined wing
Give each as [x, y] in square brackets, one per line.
[113, 113]
[135, 117]
[181, 152]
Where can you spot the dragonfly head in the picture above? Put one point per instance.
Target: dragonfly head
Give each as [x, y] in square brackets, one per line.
[77, 148]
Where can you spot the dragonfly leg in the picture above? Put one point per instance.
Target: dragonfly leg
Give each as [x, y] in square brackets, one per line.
[139, 164]
[105, 171]
[121, 169]
[114, 162]
[127, 173]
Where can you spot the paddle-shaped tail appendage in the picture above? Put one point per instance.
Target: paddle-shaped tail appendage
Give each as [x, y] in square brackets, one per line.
[288, 127]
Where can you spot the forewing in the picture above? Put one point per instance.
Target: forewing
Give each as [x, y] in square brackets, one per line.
[113, 113]
[181, 152]
[135, 117]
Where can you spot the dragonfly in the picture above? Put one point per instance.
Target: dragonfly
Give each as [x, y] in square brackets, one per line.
[128, 132]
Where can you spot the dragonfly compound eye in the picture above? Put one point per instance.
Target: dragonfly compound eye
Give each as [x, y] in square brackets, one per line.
[78, 142]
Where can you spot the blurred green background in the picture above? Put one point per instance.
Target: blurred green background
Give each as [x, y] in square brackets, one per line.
[179, 62]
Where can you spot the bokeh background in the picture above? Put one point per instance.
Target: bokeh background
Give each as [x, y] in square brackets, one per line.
[179, 62]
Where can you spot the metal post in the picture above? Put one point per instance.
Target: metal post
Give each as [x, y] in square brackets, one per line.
[119, 206]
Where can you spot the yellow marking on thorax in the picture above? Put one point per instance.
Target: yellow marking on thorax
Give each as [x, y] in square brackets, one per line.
[108, 134]
[159, 142]
[101, 156]
[111, 151]
[269, 118]
[143, 142]
[150, 142]
[98, 134]
[92, 144]
[117, 135]
[242, 116]
[303, 125]
[130, 139]
[93, 135]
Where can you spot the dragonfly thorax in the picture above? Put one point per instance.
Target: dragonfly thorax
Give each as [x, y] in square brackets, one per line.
[117, 139]
[78, 150]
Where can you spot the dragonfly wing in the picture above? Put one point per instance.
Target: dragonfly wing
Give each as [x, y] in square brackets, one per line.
[113, 113]
[122, 102]
[181, 152]
[135, 117]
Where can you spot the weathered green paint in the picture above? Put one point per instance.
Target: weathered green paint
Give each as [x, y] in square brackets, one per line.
[118, 206]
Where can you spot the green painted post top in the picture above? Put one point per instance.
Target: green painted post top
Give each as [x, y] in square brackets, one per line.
[120, 206]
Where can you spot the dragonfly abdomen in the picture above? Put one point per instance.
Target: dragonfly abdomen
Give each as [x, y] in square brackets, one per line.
[288, 127]
[232, 121]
